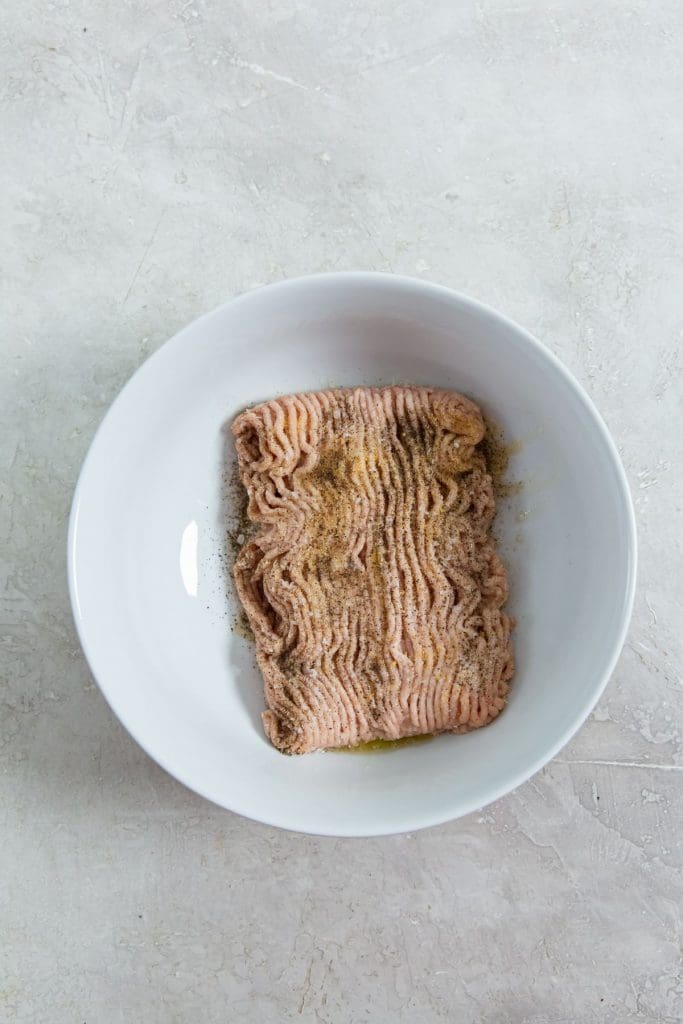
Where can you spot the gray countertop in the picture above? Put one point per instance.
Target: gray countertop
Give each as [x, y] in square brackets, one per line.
[160, 158]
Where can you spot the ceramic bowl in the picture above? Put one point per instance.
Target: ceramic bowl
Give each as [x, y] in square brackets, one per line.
[148, 559]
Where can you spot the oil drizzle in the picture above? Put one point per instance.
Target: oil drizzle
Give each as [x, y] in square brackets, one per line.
[497, 451]
[239, 529]
[383, 746]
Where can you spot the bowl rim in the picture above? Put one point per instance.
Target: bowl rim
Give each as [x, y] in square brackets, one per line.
[427, 289]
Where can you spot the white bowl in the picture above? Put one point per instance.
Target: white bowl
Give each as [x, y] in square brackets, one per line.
[153, 602]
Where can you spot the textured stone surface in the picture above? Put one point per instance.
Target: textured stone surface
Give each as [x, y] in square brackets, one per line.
[159, 158]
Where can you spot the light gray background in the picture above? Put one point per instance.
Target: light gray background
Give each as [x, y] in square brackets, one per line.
[175, 154]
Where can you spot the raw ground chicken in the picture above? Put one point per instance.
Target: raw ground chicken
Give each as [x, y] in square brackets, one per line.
[372, 583]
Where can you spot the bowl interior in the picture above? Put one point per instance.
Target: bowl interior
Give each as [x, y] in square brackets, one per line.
[149, 562]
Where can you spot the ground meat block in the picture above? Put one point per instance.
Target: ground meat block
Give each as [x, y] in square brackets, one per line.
[372, 583]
